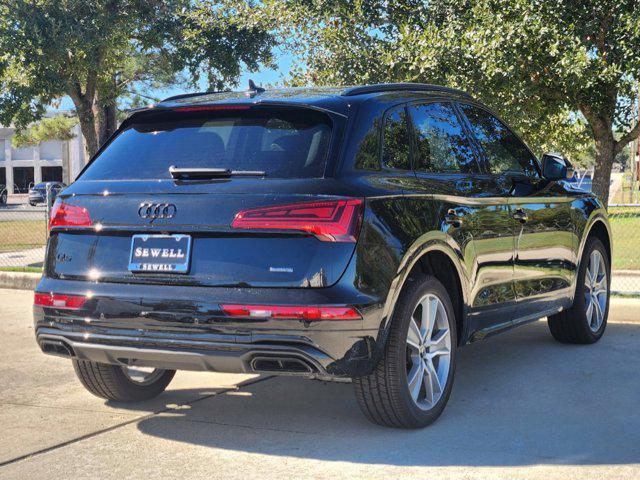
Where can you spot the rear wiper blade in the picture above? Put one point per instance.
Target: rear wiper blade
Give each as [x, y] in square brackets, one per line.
[205, 173]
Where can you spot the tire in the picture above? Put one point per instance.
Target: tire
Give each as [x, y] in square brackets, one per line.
[384, 396]
[114, 383]
[573, 325]
[3, 199]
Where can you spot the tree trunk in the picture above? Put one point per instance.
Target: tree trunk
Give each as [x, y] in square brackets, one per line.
[605, 153]
[88, 127]
[110, 122]
[97, 122]
[105, 110]
[106, 121]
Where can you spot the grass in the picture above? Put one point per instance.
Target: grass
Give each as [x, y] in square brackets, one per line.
[21, 269]
[627, 193]
[16, 235]
[625, 229]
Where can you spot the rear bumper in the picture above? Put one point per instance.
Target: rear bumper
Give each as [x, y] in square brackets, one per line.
[36, 198]
[139, 325]
[213, 357]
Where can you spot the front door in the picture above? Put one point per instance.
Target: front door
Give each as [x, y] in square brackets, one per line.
[544, 259]
[545, 262]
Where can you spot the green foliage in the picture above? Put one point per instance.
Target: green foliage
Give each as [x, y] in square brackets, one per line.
[98, 52]
[55, 128]
[563, 73]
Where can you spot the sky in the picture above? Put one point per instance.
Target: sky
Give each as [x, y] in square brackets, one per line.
[284, 61]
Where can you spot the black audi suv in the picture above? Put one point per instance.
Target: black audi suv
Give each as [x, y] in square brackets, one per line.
[361, 233]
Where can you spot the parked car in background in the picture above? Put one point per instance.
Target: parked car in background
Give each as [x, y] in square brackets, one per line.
[38, 193]
[3, 194]
[361, 233]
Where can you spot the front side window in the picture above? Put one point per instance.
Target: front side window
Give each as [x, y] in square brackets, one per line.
[504, 151]
[441, 144]
[395, 145]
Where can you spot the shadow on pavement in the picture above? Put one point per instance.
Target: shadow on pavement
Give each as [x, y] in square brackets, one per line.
[519, 399]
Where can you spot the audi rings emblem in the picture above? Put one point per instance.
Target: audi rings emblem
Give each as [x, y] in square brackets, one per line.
[153, 211]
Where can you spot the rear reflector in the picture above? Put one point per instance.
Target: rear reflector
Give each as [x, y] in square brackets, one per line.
[288, 312]
[56, 300]
[330, 221]
[65, 215]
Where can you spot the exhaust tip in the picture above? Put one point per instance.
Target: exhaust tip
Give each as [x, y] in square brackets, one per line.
[56, 347]
[281, 365]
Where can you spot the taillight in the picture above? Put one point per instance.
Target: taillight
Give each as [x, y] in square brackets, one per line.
[330, 221]
[65, 215]
[287, 312]
[57, 300]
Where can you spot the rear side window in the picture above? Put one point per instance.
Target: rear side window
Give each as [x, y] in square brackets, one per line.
[284, 143]
[503, 149]
[395, 145]
[441, 145]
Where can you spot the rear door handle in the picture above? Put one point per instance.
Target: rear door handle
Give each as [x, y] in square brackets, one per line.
[452, 218]
[520, 215]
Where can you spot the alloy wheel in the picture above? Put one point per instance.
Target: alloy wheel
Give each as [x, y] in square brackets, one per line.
[596, 291]
[428, 352]
[142, 375]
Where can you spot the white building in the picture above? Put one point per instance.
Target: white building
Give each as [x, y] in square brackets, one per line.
[59, 161]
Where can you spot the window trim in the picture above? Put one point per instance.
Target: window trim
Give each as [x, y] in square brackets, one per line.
[483, 159]
[413, 147]
[385, 116]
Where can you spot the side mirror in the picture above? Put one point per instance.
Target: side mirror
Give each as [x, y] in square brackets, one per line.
[555, 167]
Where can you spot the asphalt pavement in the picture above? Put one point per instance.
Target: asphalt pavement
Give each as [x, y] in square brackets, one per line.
[523, 406]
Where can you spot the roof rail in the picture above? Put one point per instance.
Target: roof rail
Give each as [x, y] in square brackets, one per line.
[394, 87]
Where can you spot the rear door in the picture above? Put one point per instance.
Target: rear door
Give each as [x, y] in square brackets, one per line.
[545, 256]
[468, 209]
[273, 221]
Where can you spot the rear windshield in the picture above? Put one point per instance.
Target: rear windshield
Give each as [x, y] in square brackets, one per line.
[284, 143]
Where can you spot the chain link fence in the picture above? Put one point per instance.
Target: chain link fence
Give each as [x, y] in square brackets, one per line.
[625, 231]
[23, 235]
[23, 231]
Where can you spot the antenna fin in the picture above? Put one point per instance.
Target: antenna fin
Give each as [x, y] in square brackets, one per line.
[253, 89]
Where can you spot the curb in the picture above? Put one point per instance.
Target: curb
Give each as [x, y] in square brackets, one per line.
[19, 280]
[626, 310]
[626, 273]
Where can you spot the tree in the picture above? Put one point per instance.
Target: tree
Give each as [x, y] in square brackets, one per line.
[98, 51]
[59, 127]
[564, 73]
[624, 158]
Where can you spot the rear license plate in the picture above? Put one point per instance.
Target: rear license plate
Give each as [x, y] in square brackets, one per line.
[160, 253]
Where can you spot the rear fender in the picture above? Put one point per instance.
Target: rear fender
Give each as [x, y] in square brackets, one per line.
[598, 216]
[429, 242]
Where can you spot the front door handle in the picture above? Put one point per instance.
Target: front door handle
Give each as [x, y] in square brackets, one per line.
[452, 218]
[520, 215]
